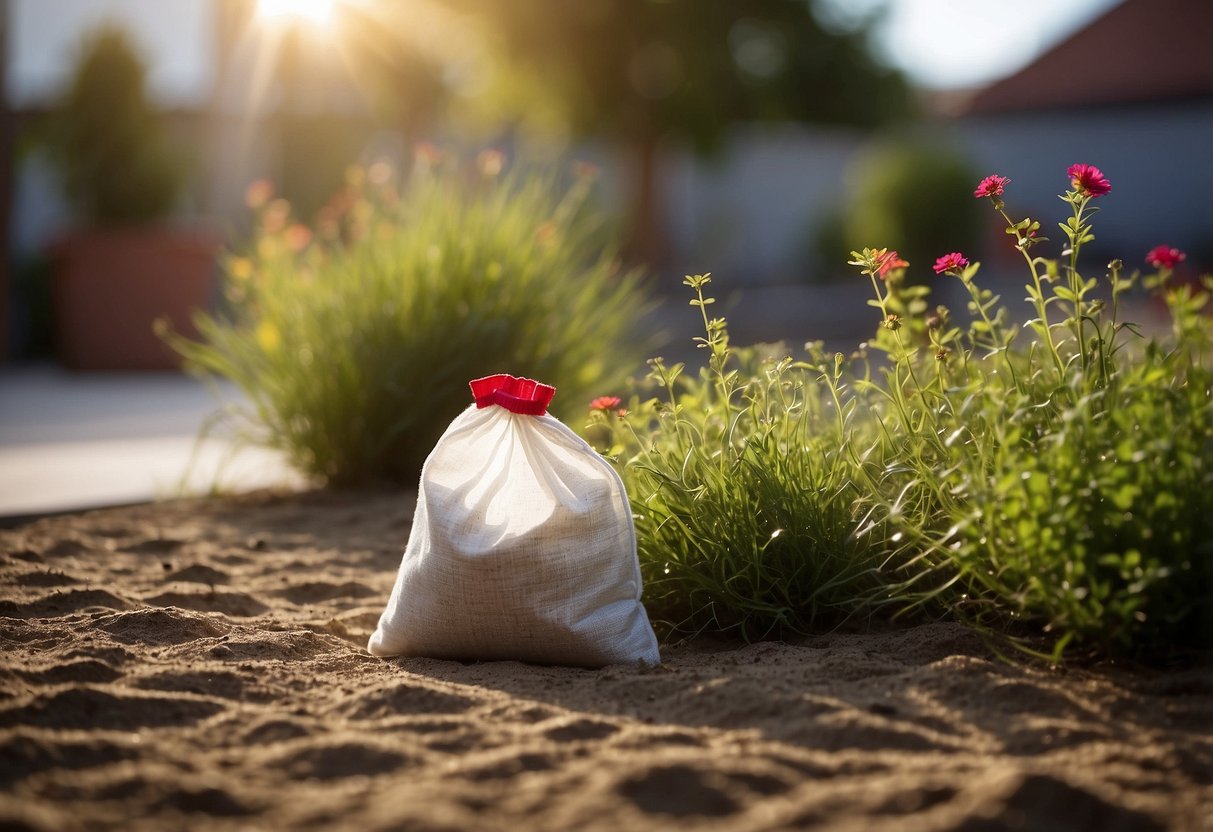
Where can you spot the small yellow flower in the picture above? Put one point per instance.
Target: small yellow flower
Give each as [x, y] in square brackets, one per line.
[240, 268]
[893, 322]
[268, 337]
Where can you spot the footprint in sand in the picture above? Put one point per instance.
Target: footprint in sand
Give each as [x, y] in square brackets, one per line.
[88, 670]
[27, 753]
[237, 604]
[335, 762]
[1041, 801]
[205, 801]
[581, 729]
[680, 791]
[510, 765]
[89, 708]
[160, 626]
[66, 548]
[276, 730]
[48, 578]
[461, 740]
[153, 546]
[404, 699]
[198, 574]
[223, 684]
[316, 592]
[65, 603]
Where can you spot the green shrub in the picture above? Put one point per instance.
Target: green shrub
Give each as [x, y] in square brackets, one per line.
[355, 341]
[107, 139]
[913, 191]
[1048, 481]
[1056, 472]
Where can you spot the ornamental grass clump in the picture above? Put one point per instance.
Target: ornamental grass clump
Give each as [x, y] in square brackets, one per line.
[354, 339]
[1054, 474]
[744, 493]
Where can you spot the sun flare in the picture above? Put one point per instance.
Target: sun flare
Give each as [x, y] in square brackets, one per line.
[317, 12]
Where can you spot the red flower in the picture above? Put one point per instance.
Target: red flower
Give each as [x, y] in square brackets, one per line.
[888, 261]
[1165, 257]
[1088, 179]
[953, 263]
[992, 185]
[605, 403]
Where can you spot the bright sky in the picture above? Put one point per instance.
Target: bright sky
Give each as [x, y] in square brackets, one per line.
[174, 36]
[961, 43]
[939, 43]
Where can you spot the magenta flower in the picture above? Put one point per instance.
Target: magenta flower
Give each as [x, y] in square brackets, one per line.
[1088, 179]
[1165, 257]
[953, 263]
[992, 185]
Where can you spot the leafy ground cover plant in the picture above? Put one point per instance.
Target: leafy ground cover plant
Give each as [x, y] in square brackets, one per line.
[354, 338]
[1049, 479]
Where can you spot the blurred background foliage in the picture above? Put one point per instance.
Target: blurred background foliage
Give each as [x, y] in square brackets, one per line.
[912, 189]
[639, 75]
[107, 140]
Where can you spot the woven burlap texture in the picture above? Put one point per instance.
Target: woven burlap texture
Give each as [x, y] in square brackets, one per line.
[522, 547]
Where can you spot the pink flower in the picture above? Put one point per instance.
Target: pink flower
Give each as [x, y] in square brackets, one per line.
[258, 193]
[1088, 179]
[605, 403]
[298, 236]
[490, 162]
[585, 170]
[427, 154]
[887, 261]
[1165, 257]
[953, 263]
[992, 185]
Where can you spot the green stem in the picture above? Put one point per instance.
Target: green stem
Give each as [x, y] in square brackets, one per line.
[1039, 301]
[1076, 281]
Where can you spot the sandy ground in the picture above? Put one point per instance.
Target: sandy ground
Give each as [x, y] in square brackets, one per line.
[200, 665]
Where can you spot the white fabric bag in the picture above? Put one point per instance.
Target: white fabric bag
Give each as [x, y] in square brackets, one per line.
[522, 545]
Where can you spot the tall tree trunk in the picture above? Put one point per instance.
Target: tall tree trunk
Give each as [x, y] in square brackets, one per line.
[646, 242]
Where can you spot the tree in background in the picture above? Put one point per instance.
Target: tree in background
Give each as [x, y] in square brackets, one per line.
[644, 71]
[635, 72]
[107, 140]
[910, 190]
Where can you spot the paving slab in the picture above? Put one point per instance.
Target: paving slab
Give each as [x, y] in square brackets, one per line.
[73, 441]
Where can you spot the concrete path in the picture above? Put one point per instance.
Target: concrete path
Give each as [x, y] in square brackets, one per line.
[72, 441]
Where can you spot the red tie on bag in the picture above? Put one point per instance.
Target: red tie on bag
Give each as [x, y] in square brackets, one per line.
[517, 395]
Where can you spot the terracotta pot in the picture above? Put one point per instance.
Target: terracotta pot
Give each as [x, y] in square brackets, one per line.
[111, 285]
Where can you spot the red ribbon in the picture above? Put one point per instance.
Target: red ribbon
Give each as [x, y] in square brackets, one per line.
[517, 395]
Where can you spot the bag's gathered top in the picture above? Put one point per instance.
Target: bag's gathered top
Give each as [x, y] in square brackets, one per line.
[517, 395]
[522, 545]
